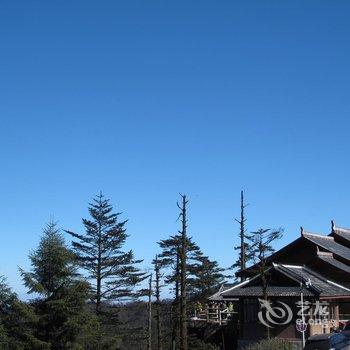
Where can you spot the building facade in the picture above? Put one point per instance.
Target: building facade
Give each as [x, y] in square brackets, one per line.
[308, 290]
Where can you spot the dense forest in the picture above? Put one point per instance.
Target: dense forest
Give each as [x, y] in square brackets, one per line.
[88, 292]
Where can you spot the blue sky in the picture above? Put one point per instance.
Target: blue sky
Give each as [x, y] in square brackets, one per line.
[146, 99]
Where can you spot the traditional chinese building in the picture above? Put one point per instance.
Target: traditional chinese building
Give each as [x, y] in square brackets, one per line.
[312, 272]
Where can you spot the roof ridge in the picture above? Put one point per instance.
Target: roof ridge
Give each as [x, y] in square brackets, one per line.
[336, 263]
[315, 273]
[289, 265]
[296, 276]
[320, 253]
[338, 285]
[330, 244]
[338, 228]
[306, 233]
[342, 229]
[243, 283]
[238, 285]
[321, 277]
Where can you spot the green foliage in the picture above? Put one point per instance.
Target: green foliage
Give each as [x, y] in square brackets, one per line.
[53, 265]
[261, 244]
[270, 344]
[112, 272]
[247, 257]
[63, 318]
[169, 259]
[196, 344]
[17, 323]
[206, 276]
[4, 340]
[260, 249]
[203, 274]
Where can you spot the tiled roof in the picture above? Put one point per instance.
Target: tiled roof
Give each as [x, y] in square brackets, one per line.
[328, 243]
[256, 291]
[340, 231]
[329, 259]
[319, 285]
[224, 287]
[332, 249]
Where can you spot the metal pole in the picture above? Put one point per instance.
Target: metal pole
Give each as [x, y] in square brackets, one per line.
[302, 313]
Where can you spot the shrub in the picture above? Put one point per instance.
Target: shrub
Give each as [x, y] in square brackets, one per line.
[270, 344]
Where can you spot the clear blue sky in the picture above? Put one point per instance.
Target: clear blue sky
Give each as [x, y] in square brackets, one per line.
[146, 99]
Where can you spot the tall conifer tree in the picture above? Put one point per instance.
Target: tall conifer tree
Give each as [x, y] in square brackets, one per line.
[18, 322]
[113, 272]
[64, 321]
[260, 249]
[205, 277]
[169, 260]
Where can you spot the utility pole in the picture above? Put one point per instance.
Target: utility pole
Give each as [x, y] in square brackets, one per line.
[303, 326]
[302, 312]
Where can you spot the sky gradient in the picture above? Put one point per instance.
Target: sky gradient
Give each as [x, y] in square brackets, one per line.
[146, 99]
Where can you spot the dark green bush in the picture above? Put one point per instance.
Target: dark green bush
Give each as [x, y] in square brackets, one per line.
[270, 344]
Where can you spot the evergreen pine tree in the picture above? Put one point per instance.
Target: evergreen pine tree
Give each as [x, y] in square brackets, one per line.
[192, 275]
[169, 261]
[260, 249]
[4, 340]
[64, 320]
[205, 277]
[113, 272]
[18, 323]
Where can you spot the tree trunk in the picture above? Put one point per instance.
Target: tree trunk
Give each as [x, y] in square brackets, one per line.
[149, 333]
[265, 296]
[98, 272]
[175, 306]
[98, 294]
[242, 233]
[183, 284]
[242, 247]
[159, 331]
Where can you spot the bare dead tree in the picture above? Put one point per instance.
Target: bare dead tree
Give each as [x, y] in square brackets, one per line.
[149, 333]
[244, 255]
[157, 291]
[183, 278]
